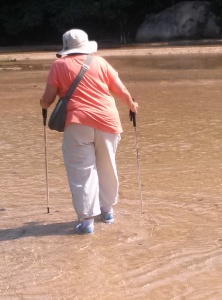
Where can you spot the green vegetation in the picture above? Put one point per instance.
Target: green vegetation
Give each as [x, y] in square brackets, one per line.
[31, 22]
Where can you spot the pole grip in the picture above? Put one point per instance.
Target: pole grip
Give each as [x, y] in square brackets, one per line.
[132, 116]
[44, 115]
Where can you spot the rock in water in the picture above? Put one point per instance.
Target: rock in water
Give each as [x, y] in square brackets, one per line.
[185, 20]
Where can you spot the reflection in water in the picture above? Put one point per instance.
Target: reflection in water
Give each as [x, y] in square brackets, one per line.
[173, 250]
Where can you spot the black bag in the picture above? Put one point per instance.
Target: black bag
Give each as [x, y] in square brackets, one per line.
[58, 116]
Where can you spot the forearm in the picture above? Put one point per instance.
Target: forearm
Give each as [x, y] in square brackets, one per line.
[126, 98]
[49, 96]
[123, 94]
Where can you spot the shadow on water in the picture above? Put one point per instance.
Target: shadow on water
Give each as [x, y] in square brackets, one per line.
[36, 229]
[169, 62]
[167, 67]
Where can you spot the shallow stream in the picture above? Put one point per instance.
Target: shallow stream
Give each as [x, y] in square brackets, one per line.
[173, 249]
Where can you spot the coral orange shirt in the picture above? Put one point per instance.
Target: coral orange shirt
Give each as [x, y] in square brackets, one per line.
[91, 103]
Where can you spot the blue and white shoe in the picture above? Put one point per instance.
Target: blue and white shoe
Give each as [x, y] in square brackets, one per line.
[80, 229]
[107, 217]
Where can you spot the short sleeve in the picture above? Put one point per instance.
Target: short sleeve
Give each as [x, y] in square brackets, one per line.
[53, 75]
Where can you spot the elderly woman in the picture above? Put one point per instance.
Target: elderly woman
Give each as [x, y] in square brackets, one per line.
[92, 130]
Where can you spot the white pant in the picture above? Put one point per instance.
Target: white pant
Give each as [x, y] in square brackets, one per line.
[89, 157]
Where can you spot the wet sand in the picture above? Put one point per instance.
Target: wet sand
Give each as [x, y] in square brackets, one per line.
[173, 250]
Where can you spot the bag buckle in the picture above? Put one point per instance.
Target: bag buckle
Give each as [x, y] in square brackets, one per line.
[85, 67]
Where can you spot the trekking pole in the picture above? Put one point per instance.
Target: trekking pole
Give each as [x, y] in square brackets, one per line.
[132, 116]
[44, 115]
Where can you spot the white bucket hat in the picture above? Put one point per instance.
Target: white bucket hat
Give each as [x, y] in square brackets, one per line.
[76, 41]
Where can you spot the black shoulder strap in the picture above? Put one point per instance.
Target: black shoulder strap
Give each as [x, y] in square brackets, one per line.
[76, 81]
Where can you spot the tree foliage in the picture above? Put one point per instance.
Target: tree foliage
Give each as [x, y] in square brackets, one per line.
[216, 6]
[42, 21]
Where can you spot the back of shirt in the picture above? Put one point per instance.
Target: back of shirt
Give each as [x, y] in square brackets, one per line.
[91, 103]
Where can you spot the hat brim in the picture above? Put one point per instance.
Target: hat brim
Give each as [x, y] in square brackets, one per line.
[90, 47]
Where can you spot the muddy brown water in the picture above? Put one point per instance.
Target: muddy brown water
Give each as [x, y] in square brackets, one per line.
[173, 250]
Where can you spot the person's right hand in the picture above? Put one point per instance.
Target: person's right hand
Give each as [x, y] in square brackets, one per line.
[134, 107]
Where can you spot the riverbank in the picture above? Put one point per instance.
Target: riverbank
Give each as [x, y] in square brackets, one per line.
[168, 48]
